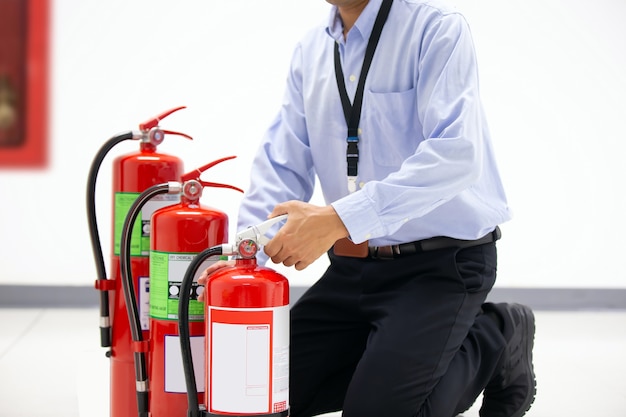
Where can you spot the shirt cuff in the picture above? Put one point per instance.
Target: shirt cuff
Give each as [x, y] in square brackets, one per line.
[359, 216]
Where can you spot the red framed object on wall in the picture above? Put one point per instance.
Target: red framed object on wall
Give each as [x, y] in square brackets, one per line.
[24, 79]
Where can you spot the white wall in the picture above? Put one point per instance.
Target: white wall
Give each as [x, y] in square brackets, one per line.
[552, 82]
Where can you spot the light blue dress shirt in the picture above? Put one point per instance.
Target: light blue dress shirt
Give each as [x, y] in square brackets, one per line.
[427, 166]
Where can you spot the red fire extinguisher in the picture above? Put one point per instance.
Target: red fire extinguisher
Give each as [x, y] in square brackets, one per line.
[247, 333]
[132, 174]
[178, 233]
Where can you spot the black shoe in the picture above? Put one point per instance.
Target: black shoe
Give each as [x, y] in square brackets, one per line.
[512, 389]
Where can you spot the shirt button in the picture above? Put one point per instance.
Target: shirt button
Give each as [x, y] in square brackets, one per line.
[352, 78]
[361, 184]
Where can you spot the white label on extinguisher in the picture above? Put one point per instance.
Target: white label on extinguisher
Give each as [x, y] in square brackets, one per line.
[248, 360]
[174, 375]
[144, 302]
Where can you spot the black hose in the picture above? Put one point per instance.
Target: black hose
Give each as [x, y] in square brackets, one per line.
[128, 285]
[193, 410]
[105, 323]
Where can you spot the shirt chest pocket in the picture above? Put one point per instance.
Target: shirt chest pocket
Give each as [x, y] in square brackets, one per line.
[390, 129]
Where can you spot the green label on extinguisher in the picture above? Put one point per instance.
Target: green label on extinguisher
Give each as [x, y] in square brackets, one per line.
[140, 231]
[167, 271]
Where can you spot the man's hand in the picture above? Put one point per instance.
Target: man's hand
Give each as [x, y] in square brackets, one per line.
[308, 233]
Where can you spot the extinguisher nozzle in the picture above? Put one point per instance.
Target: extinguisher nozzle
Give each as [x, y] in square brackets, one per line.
[142, 403]
[105, 336]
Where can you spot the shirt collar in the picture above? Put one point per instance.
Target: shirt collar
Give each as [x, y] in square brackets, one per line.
[364, 24]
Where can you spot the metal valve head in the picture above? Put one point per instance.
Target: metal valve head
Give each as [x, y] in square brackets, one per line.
[192, 190]
[152, 133]
[247, 248]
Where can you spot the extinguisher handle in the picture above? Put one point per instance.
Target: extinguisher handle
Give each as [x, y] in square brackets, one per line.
[195, 174]
[257, 233]
[154, 122]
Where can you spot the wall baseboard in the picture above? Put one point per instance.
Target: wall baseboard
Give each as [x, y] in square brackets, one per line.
[37, 296]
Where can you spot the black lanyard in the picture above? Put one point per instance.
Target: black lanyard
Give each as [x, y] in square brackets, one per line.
[352, 111]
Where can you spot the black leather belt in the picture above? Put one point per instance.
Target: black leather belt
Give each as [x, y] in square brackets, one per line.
[434, 243]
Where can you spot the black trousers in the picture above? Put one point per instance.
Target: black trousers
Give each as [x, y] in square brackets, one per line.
[397, 338]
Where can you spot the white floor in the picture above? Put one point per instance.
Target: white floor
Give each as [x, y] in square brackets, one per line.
[51, 364]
